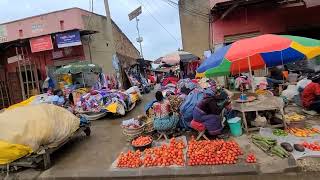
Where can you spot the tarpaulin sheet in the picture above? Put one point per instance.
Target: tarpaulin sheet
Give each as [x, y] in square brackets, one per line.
[36, 125]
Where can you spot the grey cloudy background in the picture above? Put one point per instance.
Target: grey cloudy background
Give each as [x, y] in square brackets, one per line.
[157, 41]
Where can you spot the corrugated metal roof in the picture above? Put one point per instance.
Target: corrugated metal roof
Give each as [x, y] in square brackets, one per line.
[312, 3]
[214, 2]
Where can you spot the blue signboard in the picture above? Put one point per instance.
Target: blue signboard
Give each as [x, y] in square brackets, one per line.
[68, 39]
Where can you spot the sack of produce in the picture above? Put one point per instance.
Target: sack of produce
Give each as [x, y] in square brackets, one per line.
[25, 129]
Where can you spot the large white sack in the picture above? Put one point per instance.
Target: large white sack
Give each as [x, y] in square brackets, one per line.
[36, 125]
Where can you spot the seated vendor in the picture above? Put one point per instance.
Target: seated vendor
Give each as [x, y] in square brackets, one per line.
[275, 77]
[207, 114]
[311, 95]
[164, 119]
[58, 98]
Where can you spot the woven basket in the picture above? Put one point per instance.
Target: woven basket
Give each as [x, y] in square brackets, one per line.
[148, 127]
[133, 133]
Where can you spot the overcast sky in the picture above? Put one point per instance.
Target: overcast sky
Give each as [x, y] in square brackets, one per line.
[157, 41]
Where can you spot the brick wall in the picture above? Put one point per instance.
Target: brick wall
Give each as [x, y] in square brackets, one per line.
[122, 44]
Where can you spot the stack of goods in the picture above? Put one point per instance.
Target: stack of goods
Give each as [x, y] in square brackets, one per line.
[113, 101]
[251, 158]
[132, 128]
[269, 146]
[164, 155]
[214, 152]
[303, 132]
[314, 146]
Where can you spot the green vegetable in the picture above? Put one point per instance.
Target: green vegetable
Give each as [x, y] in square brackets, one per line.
[279, 132]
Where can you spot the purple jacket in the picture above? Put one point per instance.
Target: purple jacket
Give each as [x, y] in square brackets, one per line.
[212, 122]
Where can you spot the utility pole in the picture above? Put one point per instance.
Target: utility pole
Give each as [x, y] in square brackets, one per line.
[139, 39]
[134, 15]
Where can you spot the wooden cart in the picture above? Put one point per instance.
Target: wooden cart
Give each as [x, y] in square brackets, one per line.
[42, 159]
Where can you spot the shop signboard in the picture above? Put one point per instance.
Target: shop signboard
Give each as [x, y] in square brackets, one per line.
[68, 39]
[3, 34]
[42, 43]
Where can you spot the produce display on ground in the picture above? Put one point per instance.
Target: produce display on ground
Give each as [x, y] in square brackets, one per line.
[165, 155]
[213, 152]
[314, 146]
[269, 146]
[251, 158]
[142, 141]
[279, 132]
[303, 132]
[177, 152]
[302, 146]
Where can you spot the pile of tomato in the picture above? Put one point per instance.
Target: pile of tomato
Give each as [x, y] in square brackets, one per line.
[251, 158]
[214, 152]
[142, 141]
[315, 146]
[165, 155]
[130, 159]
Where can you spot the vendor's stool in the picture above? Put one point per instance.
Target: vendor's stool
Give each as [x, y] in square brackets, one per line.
[201, 134]
[162, 134]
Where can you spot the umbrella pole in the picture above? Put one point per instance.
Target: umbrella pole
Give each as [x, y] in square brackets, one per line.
[84, 83]
[250, 75]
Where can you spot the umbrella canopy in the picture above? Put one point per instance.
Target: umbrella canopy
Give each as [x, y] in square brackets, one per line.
[255, 53]
[79, 67]
[177, 56]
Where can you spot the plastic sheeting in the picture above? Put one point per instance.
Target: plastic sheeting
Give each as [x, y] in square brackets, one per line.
[37, 125]
[267, 132]
[10, 152]
[190, 102]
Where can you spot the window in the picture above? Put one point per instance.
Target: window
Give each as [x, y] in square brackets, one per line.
[61, 24]
[20, 33]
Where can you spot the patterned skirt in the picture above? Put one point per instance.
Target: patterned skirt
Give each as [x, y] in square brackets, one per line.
[165, 123]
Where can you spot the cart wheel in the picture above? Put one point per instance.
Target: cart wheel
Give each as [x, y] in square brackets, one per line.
[87, 131]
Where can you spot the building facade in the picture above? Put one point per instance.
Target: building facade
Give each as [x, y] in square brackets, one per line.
[234, 20]
[195, 27]
[32, 48]
[231, 20]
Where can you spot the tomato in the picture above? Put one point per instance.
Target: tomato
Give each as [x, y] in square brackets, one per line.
[142, 141]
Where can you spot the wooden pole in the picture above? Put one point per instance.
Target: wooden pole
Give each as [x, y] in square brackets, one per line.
[30, 68]
[1, 93]
[20, 76]
[25, 71]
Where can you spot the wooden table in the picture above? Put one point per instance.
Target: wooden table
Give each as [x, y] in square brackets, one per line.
[264, 104]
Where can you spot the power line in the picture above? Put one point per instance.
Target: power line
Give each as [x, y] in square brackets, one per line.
[189, 11]
[193, 10]
[158, 22]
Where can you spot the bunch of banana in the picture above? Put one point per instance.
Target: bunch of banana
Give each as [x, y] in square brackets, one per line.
[294, 117]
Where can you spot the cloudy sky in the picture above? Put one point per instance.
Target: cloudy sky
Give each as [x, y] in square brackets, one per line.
[157, 41]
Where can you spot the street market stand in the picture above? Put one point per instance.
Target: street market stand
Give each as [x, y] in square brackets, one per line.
[265, 103]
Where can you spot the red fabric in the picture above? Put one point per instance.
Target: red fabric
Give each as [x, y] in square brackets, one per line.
[197, 126]
[152, 79]
[309, 93]
[168, 80]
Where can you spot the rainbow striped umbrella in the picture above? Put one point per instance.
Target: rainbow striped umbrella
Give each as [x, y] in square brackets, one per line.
[259, 52]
